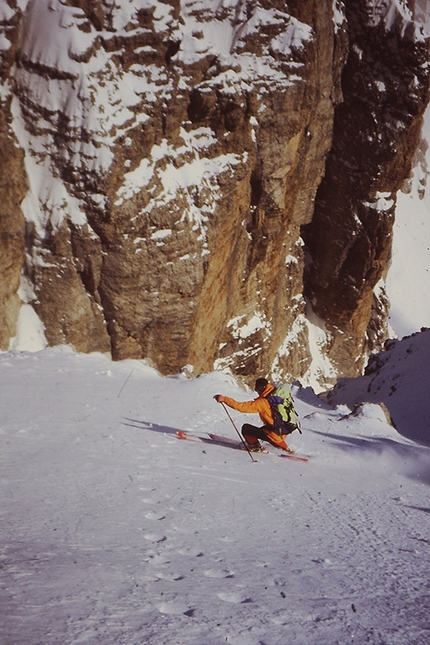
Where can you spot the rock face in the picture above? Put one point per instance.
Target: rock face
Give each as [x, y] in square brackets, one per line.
[12, 190]
[169, 166]
[377, 129]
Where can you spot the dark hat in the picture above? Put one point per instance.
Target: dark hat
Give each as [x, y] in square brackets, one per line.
[260, 384]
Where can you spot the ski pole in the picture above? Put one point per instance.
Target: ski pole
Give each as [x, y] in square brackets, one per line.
[126, 381]
[240, 437]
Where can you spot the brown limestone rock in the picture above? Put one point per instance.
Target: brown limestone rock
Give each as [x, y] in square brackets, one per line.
[174, 172]
[69, 312]
[13, 187]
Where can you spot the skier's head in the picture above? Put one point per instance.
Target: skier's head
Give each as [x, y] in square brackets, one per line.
[260, 385]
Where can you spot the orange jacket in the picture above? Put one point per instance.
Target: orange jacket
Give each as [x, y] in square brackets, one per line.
[259, 406]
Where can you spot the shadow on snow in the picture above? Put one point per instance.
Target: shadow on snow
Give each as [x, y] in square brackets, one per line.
[148, 425]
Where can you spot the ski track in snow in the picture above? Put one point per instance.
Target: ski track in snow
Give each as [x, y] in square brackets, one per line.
[115, 531]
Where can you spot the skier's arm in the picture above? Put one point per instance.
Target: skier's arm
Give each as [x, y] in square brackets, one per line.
[251, 407]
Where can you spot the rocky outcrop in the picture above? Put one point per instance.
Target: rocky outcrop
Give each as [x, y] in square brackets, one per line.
[13, 187]
[12, 190]
[171, 155]
[377, 130]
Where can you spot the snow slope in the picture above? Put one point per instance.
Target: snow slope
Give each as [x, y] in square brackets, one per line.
[397, 377]
[115, 531]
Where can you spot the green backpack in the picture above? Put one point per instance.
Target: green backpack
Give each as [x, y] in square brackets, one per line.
[282, 406]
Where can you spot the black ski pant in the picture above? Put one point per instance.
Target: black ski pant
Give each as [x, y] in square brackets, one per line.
[254, 433]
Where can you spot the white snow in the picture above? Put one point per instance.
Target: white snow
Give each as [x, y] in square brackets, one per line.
[408, 279]
[383, 202]
[6, 13]
[5, 43]
[30, 332]
[244, 327]
[321, 370]
[182, 172]
[199, 36]
[114, 531]
[47, 200]
[399, 12]
[338, 14]
[161, 234]
[52, 33]
[320, 373]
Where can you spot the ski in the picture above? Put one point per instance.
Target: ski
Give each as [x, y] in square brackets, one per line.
[226, 440]
[190, 437]
[293, 457]
[211, 438]
[233, 443]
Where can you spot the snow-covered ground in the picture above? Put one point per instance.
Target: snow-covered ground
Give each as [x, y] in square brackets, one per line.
[114, 531]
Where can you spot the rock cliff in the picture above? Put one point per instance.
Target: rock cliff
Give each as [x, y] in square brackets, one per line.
[377, 129]
[206, 183]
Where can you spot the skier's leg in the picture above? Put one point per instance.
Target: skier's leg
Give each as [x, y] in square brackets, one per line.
[282, 445]
[252, 434]
[275, 439]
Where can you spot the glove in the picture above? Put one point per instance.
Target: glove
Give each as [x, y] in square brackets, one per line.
[217, 398]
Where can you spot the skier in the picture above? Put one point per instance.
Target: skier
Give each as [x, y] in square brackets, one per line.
[252, 434]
